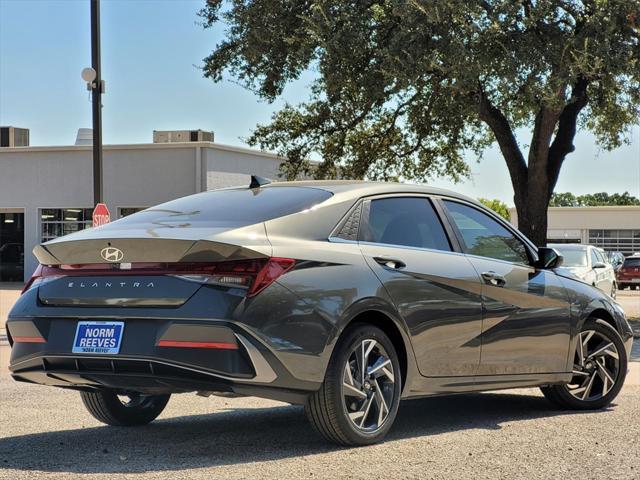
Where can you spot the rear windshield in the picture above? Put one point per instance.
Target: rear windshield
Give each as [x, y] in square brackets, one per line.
[231, 208]
[632, 262]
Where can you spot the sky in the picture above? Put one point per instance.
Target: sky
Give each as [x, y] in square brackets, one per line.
[151, 51]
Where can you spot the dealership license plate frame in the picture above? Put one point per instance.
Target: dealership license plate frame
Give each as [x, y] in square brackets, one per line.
[102, 326]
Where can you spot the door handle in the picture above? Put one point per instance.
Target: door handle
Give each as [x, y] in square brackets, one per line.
[493, 278]
[390, 262]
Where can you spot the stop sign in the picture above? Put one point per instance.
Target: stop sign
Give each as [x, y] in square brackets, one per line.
[101, 215]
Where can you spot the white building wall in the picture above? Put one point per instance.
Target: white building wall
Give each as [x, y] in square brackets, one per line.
[574, 223]
[32, 178]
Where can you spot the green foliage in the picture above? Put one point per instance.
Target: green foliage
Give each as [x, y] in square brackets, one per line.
[601, 199]
[497, 206]
[400, 85]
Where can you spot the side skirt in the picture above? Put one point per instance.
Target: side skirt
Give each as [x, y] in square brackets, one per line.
[428, 386]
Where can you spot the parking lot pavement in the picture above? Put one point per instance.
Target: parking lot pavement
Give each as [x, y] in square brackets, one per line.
[629, 300]
[46, 433]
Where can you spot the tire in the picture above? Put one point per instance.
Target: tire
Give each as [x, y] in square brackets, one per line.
[622, 286]
[578, 394]
[107, 407]
[337, 411]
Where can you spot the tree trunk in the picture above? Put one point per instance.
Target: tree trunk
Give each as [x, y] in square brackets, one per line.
[534, 182]
[532, 219]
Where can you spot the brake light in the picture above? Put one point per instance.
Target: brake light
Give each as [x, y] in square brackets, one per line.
[274, 268]
[254, 275]
[36, 275]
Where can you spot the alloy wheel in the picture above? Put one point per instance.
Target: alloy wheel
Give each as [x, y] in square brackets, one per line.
[596, 366]
[368, 386]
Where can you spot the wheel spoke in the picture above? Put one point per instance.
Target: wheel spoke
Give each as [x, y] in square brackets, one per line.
[383, 409]
[588, 335]
[600, 351]
[389, 374]
[353, 391]
[366, 412]
[379, 365]
[348, 376]
[587, 390]
[367, 346]
[579, 372]
[580, 351]
[607, 379]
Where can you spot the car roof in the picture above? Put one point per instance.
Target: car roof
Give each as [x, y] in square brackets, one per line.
[360, 188]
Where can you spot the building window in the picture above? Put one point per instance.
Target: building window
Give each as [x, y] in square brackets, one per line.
[625, 241]
[56, 222]
[126, 211]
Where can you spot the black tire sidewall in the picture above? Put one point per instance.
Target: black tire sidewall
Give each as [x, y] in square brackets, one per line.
[354, 336]
[113, 412]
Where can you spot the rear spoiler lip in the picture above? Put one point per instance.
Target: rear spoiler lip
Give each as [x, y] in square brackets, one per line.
[157, 250]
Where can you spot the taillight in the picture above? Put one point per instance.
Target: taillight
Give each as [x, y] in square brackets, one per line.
[274, 268]
[36, 275]
[254, 275]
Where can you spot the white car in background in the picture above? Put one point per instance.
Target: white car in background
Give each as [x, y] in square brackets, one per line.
[589, 264]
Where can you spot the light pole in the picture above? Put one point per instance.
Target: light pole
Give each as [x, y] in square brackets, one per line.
[96, 97]
[95, 85]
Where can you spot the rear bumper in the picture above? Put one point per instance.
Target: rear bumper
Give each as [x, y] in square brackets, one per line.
[41, 353]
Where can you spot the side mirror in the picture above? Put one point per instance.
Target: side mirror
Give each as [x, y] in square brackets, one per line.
[548, 258]
[599, 265]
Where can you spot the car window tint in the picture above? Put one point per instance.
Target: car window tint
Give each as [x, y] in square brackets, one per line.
[485, 237]
[231, 208]
[406, 221]
[632, 262]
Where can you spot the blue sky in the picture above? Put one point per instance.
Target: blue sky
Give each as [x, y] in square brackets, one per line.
[150, 50]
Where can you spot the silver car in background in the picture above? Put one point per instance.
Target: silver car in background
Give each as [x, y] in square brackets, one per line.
[588, 263]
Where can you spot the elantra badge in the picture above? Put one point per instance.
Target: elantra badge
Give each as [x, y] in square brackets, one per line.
[112, 254]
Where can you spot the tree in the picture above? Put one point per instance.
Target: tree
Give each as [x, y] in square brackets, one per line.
[405, 89]
[592, 200]
[497, 206]
[566, 199]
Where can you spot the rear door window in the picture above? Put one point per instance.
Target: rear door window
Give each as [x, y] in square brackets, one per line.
[231, 208]
[405, 221]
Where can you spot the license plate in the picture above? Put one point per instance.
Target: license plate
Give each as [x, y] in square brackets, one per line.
[98, 337]
[635, 280]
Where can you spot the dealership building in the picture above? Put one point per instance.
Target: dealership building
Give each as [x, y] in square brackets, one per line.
[615, 228]
[46, 192]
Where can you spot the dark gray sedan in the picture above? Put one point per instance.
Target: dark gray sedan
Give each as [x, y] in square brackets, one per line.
[342, 296]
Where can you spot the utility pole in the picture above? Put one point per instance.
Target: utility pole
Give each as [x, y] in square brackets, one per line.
[96, 97]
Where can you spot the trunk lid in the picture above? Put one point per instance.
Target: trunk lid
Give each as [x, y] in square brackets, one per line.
[119, 260]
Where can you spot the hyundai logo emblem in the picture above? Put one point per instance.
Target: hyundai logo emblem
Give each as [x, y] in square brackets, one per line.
[112, 254]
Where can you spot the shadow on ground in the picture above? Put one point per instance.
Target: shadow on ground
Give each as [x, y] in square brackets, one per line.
[244, 435]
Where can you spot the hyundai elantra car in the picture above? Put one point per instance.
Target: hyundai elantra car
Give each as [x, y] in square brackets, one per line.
[344, 296]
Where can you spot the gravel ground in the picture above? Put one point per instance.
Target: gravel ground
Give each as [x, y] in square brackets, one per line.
[46, 433]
